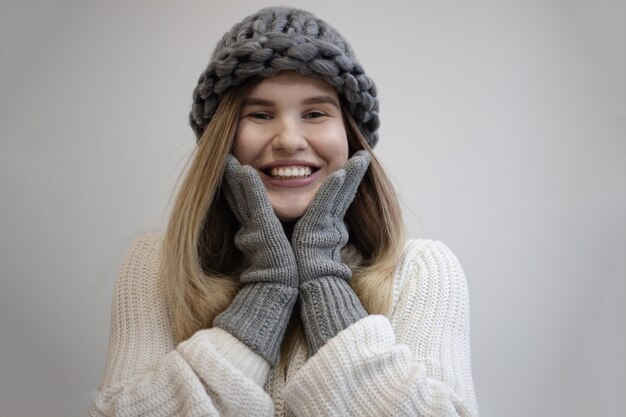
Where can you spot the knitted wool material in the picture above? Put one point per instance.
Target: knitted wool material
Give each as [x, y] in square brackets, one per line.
[266, 249]
[328, 304]
[259, 314]
[282, 39]
[414, 362]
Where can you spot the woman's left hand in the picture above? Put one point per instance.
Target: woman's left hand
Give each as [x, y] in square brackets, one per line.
[321, 233]
[328, 304]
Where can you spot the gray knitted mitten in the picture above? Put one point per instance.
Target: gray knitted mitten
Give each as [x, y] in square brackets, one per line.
[260, 312]
[328, 304]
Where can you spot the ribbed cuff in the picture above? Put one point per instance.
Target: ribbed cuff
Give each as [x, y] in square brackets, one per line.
[328, 305]
[258, 316]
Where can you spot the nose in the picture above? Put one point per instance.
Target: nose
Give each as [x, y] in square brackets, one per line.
[288, 136]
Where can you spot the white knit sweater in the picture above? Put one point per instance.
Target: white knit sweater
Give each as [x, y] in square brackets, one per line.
[416, 362]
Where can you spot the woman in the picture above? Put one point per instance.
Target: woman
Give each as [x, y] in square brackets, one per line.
[283, 284]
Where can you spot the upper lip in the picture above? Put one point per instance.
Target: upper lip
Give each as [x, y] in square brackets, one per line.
[288, 163]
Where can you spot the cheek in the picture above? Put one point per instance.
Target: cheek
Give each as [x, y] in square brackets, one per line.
[337, 150]
[344, 152]
[238, 151]
[245, 149]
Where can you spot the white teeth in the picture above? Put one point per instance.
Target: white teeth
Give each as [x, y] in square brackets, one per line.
[291, 172]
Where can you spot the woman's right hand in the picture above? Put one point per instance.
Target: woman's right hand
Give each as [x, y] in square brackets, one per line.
[261, 239]
[260, 312]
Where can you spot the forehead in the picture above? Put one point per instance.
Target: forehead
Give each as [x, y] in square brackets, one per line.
[292, 83]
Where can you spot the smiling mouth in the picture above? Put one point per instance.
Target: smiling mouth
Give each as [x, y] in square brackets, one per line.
[289, 172]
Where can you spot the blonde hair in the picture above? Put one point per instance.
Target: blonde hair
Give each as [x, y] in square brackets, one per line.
[200, 264]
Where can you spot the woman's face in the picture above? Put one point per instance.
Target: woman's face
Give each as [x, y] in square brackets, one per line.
[291, 130]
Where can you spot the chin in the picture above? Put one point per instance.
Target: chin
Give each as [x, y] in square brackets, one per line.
[288, 215]
[289, 209]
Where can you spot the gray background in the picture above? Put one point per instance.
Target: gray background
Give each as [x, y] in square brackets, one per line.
[504, 127]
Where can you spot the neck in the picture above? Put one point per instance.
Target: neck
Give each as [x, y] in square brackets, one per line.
[288, 228]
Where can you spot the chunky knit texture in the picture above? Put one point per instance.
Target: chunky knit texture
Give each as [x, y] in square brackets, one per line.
[415, 362]
[280, 39]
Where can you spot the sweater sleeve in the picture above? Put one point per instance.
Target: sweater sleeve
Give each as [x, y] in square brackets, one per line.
[415, 363]
[146, 374]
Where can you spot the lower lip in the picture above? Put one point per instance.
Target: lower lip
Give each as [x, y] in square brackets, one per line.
[290, 183]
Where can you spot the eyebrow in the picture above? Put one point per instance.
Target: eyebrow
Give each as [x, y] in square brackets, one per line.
[255, 101]
[320, 100]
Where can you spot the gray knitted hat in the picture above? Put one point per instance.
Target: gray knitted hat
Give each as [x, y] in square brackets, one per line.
[277, 39]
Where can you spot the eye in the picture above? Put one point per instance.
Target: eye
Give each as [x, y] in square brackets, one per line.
[314, 115]
[260, 116]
